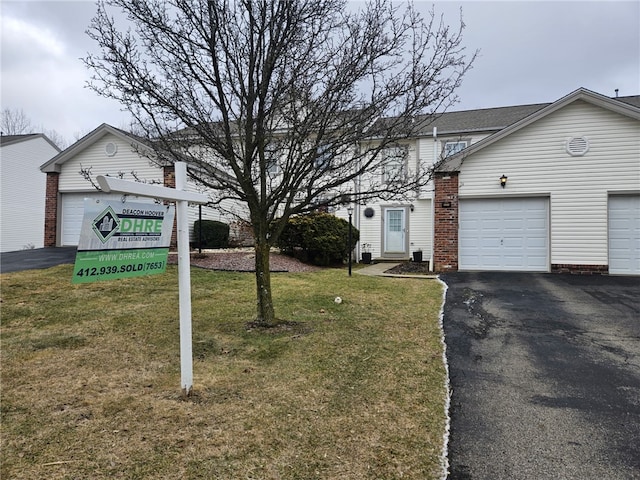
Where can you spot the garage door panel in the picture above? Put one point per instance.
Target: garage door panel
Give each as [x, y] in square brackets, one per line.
[504, 234]
[536, 242]
[490, 260]
[510, 241]
[513, 225]
[624, 234]
[72, 213]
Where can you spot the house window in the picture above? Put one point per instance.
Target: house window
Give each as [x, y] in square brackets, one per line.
[272, 157]
[394, 164]
[323, 156]
[451, 148]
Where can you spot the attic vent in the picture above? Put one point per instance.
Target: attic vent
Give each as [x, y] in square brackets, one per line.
[577, 146]
[110, 149]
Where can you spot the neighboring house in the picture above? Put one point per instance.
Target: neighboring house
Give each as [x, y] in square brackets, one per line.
[569, 200]
[22, 189]
[104, 151]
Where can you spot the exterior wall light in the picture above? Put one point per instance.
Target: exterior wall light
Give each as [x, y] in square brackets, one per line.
[503, 181]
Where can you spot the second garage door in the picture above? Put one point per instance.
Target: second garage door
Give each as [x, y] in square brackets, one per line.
[504, 234]
[624, 235]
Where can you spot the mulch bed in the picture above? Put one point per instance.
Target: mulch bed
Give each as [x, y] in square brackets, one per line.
[244, 261]
[417, 268]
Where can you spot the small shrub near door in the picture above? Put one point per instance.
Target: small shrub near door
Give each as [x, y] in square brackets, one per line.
[214, 234]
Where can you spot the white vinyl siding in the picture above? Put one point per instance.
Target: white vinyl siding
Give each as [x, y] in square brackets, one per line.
[126, 160]
[370, 229]
[536, 162]
[22, 190]
[420, 236]
[624, 234]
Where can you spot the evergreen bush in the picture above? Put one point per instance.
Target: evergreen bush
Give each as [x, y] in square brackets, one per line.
[318, 238]
[214, 234]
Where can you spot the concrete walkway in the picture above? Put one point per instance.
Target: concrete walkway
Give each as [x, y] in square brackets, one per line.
[379, 270]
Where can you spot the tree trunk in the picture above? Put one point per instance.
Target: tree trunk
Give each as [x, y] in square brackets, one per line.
[265, 313]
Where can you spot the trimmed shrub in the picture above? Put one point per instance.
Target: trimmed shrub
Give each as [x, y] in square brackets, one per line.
[318, 238]
[214, 234]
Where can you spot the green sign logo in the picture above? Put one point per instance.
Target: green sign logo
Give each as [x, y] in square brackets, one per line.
[106, 224]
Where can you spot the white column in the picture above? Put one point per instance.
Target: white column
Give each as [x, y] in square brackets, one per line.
[184, 282]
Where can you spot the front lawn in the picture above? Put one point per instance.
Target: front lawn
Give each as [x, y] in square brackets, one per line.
[91, 378]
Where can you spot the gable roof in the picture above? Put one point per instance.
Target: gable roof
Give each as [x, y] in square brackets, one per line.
[624, 106]
[54, 165]
[6, 140]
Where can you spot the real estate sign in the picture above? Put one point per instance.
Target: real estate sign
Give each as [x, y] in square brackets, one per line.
[120, 240]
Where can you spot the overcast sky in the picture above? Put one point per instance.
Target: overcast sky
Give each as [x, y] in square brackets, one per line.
[531, 52]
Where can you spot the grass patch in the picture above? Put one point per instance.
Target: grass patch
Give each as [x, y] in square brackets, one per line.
[91, 378]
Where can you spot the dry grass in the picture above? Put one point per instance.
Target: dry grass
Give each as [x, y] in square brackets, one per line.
[91, 379]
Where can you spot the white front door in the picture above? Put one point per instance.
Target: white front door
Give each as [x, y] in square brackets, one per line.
[395, 231]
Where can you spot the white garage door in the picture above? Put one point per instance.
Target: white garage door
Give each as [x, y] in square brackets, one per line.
[504, 234]
[73, 212]
[624, 235]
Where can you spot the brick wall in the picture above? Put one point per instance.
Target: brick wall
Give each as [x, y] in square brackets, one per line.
[445, 252]
[51, 210]
[169, 176]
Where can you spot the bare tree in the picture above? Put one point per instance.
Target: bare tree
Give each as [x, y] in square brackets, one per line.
[15, 122]
[281, 105]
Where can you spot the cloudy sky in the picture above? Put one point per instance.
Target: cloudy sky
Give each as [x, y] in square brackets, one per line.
[530, 52]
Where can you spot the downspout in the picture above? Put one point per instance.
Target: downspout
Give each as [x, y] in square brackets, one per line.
[433, 200]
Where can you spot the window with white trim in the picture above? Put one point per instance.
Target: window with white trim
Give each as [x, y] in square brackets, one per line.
[323, 156]
[394, 168]
[451, 148]
[272, 158]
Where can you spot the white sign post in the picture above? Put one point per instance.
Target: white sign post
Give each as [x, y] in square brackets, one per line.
[182, 199]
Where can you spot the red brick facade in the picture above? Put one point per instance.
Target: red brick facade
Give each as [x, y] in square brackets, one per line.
[169, 176]
[51, 210]
[445, 252]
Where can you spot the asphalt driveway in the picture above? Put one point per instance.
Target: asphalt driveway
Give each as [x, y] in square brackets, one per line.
[545, 372]
[36, 258]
